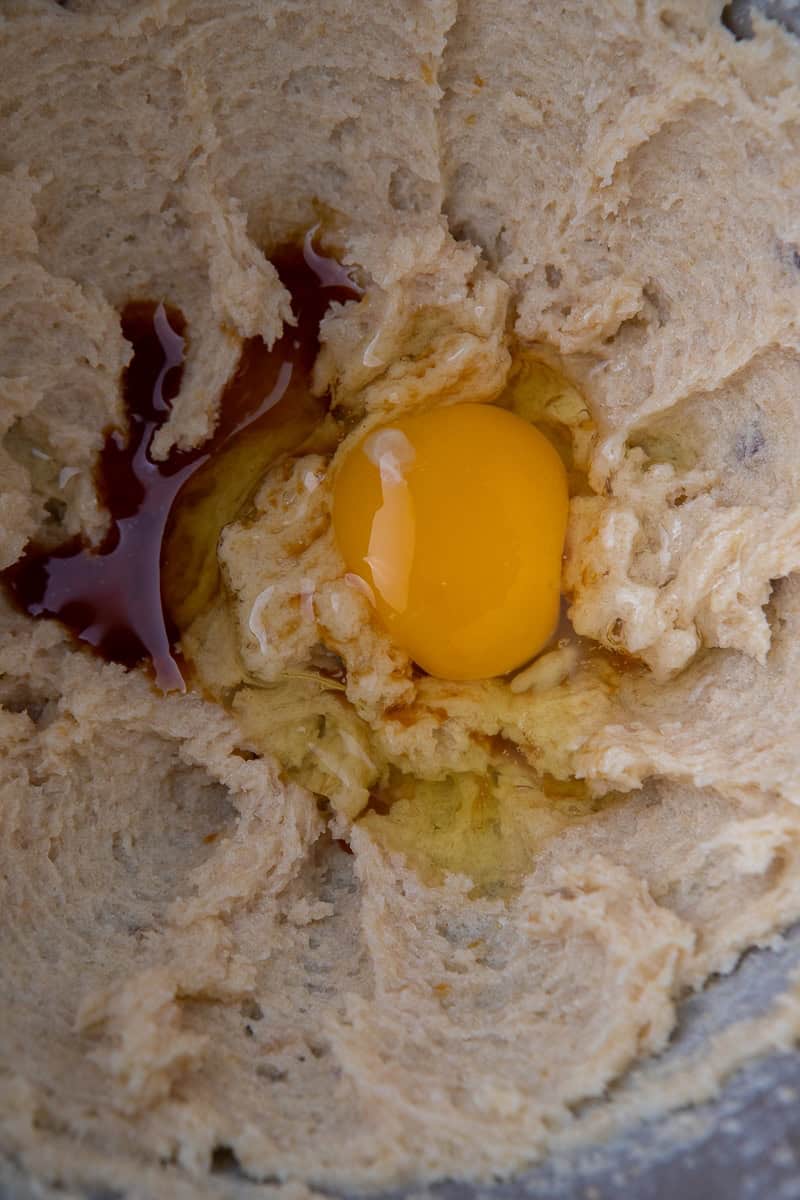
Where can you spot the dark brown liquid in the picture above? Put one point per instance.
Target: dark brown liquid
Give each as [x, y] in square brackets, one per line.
[111, 596]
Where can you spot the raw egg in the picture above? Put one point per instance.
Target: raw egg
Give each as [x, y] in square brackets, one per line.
[453, 520]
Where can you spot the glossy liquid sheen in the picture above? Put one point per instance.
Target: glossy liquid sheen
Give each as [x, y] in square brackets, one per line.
[454, 520]
[156, 566]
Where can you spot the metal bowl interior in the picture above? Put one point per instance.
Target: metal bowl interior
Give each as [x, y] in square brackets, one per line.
[744, 1144]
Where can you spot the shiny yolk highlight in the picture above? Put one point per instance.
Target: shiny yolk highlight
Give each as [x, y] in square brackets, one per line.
[455, 520]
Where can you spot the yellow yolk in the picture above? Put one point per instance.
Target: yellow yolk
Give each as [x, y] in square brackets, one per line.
[454, 519]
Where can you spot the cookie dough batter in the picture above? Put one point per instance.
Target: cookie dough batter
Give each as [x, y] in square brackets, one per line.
[334, 920]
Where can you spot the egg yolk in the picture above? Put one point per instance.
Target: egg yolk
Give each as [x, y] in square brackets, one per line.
[455, 519]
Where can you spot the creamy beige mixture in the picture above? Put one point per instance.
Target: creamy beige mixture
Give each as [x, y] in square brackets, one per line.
[541, 866]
